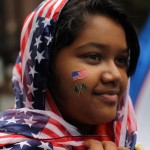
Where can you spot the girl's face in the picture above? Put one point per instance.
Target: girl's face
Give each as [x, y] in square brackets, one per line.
[100, 50]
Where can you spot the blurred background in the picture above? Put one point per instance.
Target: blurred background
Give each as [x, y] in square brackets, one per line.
[12, 15]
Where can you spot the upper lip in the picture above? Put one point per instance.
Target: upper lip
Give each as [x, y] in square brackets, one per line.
[109, 92]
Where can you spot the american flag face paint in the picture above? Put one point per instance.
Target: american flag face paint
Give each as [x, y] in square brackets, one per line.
[79, 75]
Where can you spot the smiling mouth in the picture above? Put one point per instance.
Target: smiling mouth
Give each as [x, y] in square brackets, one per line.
[110, 98]
[107, 98]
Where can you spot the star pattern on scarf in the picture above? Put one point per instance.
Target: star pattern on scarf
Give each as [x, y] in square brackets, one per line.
[29, 121]
[39, 56]
[38, 41]
[120, 114]
[31, 89]
[23, 110]
[40, 134]
[36, 25]
[38, 50]
[128, 143]
[32, 71]
[28, 104]
[29, 55]
[45, 146]
[49, 39]
[22, 144]
[46, 22]
[12, 120]
[128, 140]
[2, 118]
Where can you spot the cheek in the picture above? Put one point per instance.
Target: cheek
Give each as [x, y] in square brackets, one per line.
[65, 84]
[64, 80]
[124, 82]
[73, 84]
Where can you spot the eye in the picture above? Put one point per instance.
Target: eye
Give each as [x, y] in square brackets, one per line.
[122, 61]
[93, 57]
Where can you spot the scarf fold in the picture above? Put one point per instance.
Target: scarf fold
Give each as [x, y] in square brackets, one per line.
[35, 122]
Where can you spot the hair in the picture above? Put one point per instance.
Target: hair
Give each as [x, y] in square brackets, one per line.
[74, 16]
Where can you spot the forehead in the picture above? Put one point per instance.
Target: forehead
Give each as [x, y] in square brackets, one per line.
[104, 31]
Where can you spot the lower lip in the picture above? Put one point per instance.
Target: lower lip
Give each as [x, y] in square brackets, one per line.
[110, 99]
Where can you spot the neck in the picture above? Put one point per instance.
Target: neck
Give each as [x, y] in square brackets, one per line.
[83, 129]
[86, 129]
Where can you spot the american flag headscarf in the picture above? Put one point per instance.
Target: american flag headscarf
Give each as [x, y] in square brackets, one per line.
[35, 122]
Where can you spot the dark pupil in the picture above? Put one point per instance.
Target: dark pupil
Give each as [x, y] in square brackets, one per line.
[93, 56]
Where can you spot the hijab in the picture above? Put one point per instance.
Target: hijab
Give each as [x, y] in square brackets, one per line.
[35, 121]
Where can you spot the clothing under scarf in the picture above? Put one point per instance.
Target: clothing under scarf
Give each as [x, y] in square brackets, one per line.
[35, 122]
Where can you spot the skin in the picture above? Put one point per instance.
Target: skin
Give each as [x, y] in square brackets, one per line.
[96, 145]
[101, 49]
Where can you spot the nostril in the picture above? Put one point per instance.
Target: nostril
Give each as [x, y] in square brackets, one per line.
[112, 77]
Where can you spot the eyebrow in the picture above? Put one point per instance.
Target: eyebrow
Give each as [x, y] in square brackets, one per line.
[100, 46]
[93, 44]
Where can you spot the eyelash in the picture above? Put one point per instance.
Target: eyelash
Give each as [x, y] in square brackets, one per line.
[96, 58]
[122, 61]
[93, 58]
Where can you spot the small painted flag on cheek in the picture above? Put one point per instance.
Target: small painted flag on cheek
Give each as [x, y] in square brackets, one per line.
[78, 75]
[83, 87]
[76, 88]
[80, 89]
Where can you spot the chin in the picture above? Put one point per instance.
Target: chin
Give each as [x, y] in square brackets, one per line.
[98, 121]
[107, 118]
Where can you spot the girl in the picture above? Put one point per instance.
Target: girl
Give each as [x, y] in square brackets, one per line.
[71, 79]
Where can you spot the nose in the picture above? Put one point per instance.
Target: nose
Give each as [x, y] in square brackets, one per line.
[111, 74]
